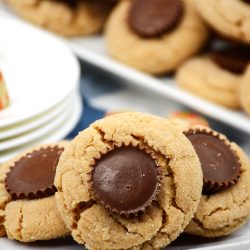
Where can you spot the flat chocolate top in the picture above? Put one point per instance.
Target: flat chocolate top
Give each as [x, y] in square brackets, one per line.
[219, 162]
[34, 174]
[125, 180]
[150, 18]
[233, 58]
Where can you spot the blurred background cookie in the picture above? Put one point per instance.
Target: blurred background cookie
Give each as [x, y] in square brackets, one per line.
[217, 75]
[64, 17]
[4, 97]
[154, 36]
[245, 91]
[229, 18]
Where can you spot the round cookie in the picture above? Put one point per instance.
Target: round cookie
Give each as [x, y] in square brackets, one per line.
[245, 91]
[230, 18]
[28, 209]
[203, 77]
[64, 17]
[220, 71]
[122, 183]
[225, 203]
[134, 38]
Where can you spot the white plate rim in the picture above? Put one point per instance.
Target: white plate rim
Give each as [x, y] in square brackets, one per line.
[34, 122]
[52, 136]
[36, 133]
[75, 70]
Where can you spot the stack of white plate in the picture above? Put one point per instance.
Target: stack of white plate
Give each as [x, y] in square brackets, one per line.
[42, 79]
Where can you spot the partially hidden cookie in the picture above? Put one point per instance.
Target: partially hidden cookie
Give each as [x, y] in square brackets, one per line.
[154, 36]
[64, 17]
[28, 209]
[245, 91]
[216, 76]
[193, 119]
[230, 18]
[122, 183]
[225, 203]
[4, 96]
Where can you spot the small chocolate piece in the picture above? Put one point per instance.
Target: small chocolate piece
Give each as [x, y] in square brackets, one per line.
[220, 164]
[151, 18]
[246, 1]
[33, 175]
[125, 180]
[232, 58]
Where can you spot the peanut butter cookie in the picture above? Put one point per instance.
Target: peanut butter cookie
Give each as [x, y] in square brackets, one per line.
[154, 36]
[216, 76]
[230, 18]
[122, 183]
[64, 17]
[28, 209]
[225, 203]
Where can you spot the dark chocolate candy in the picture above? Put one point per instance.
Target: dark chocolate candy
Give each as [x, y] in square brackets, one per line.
[33, 175]
[150, 18]
[220, 164]
[232, 58]
[125, 180]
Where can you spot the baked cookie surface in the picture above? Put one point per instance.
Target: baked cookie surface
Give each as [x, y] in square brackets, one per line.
[230, 18]
[106, 153]
[225, 203]
[26, 214]
[67, 18]
[217, 75]
[154, 50]
[245, 92]
[201, 76]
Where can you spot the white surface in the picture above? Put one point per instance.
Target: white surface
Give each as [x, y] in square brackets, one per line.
[93, 50]
[40, 71]
[35, 122]
[60, 130]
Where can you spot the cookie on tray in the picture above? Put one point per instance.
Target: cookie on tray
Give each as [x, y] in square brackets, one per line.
[225, 203]
[64, 17]
[245, 91]
[230, 18]
[122, 183]
[217, 75]
[28, 209]
[154, 36]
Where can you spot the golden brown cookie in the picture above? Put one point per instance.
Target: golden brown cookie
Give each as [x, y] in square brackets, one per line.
[122, 183]
[153, 38]
[225, 203]
[67, 18]
[28, 209]
[203, 77]
[245, 91]
[230, 18]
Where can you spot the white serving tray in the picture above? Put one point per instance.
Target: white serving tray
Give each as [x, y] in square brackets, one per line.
[92, 50]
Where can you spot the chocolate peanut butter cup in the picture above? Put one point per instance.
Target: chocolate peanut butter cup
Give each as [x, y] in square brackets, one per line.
[151, 18]
[126, 180]
[232, 58]
[32, 176]
[220, 164]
